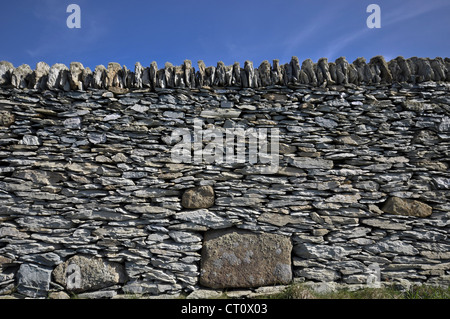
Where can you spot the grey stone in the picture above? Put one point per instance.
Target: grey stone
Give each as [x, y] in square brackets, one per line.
[220, 113]
[319, 274]
[185, 237]
[385, 224]
[21, 77]
[88, 274]
[76, 76]
[307, 162]
[41, 76]
[97, 138]
[235, 258]
[204, 217]
[327, 123]
[33, 280]
[6, 69]
[204, 294]
[30, 140]
[308, 250]
[72, 123]
[393, 246]
[198, 197]
[58, 77]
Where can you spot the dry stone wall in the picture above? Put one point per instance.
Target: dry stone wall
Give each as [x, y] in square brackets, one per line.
[92, 202]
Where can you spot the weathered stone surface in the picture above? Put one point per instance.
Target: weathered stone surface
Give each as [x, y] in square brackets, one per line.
[22, 76]
[393, 246]
[58, 77]
[6, 118]
[92, 274]
[407, 207]
[6, 69]
[307, 162]
[113, 76]
[205, 218]
[33, 281]
[235, 258]
[90, 172]
[41, 75]
[308, 250]
[76, 76]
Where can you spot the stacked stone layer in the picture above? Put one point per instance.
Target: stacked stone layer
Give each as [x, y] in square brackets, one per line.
[322, 73]
[87, 179]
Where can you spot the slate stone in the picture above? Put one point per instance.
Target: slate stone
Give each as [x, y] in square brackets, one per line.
[33, 280]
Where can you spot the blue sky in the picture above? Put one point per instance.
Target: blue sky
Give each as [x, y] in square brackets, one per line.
[235, 30]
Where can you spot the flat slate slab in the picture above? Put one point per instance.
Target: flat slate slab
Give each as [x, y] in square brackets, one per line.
[236, 258]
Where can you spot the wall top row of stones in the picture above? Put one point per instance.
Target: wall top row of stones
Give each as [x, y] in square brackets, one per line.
[322, 73]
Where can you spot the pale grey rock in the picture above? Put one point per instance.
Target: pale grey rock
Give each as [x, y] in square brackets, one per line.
[239, 201]
[99, 77]
[308, 163]
[234, 258]
[93, 274]
[204, 294]
[220, 113]
[21, 77]
[308, 250]
[114, 75]
[327, 123]
[139, 108]
[40, 177]
[139, 75]
[97, 138]
[344, 198]
[30, 140]
[38, 222]
[73, 123]
[204, 217]
[6, 70]
[76, 76]
[41, 76]
[58, 77]
[393, 246]
[50, 259]
[319, 274]
[385, 224]
[251, 74]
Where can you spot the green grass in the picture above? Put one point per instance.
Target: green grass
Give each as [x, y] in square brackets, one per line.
[298, 291]
[427, 292]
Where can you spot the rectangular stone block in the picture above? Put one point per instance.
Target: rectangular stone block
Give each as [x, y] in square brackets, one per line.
[235, 258]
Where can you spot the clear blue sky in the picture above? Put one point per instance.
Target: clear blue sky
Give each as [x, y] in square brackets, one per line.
[226, 30]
